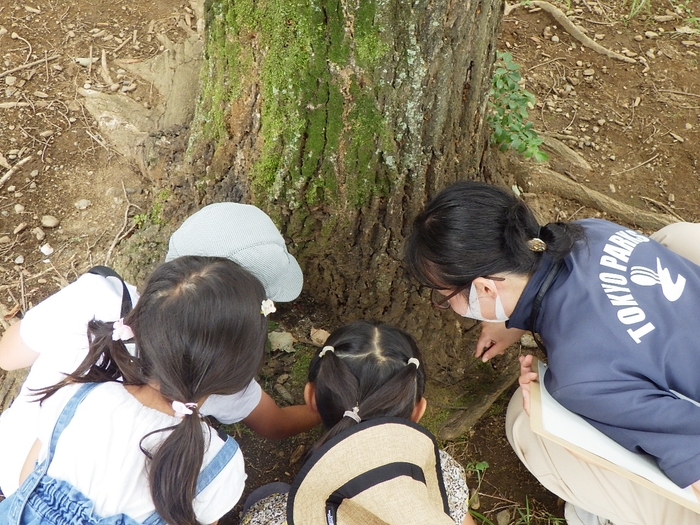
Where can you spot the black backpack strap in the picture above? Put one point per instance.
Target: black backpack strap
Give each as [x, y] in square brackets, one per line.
[106, 271]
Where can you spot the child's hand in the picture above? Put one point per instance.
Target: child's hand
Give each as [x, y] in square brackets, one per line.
[272, 422]
[526, 377]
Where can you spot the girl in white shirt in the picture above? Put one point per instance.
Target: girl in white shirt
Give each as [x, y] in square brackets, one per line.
[134, 446]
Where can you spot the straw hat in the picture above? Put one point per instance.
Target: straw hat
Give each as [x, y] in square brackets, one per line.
[384, 471]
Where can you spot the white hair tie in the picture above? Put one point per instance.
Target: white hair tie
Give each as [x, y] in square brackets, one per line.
[326, 349]
[413, 361]
[183, 409]
[267, 307]
[353, 414]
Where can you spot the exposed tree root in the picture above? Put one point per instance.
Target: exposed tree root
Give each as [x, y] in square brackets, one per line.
[573, 29]
[461, 421]
[541, 180]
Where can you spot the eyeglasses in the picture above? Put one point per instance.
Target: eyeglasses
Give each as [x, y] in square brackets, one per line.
[442, 302]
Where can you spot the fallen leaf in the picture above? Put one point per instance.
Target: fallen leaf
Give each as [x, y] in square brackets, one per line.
[297, 454]
[677, 137]
[281, 341]
[319, 336]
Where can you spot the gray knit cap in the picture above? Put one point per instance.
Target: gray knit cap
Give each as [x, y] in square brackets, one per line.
[247, 236]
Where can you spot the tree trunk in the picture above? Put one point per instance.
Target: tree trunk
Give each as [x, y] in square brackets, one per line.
[10, 385]
[341, 118]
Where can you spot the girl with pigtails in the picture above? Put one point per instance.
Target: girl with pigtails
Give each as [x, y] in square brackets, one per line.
[374, 464]
[121, 440]
[616, 314]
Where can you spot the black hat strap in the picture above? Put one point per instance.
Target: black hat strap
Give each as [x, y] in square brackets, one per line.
[367, 480]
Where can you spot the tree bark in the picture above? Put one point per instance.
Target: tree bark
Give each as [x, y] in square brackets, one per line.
[341, 118]
[10, 385]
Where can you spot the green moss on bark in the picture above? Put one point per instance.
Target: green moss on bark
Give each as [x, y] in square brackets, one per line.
[320, 120]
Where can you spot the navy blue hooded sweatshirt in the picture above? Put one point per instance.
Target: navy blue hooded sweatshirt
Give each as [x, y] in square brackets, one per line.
[621, 324]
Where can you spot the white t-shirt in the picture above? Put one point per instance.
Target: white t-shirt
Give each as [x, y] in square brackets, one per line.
[98, 453]
[56, 329]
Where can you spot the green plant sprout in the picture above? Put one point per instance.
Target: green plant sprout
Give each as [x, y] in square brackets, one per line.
[155, 214]
[508, 111]
[528, 516]
[525, 517]
[636, 7]
[479, 468]
[683, 8]
[483, 519]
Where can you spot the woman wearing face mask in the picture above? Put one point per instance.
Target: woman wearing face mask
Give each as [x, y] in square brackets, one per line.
[615, 312]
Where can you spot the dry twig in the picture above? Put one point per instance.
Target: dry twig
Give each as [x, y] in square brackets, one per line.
[678, 93]
[637, 166]
[13, 170]
[10, 105]
[662, 206]
[29, 54]
[546, 62]
[105, 70]
[23, 296]
[123, 232]
[25, 66]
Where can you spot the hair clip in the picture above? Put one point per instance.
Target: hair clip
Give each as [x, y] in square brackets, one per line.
[326, 349]
[353, 414]
[121, 331]
[183, 409]
[413, 361]
[536, 244]
[267, 307]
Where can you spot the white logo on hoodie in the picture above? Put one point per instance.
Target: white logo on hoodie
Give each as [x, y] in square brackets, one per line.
[644, 276]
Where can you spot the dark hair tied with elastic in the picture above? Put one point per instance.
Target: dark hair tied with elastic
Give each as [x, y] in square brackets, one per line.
[472, 229]
[366, 370]
[198, 331]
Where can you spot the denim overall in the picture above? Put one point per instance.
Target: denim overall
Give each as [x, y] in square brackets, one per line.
[42, 500]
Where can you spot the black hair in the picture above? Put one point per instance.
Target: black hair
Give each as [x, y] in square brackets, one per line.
[199, 331]
[473, 229]
[368, 368]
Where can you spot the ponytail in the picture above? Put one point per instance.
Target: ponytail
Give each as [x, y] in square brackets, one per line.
[338, 392]
[107, 360]
[171, 470]
[560, 238]
[373, 370]
[472, 229]
[519, 227]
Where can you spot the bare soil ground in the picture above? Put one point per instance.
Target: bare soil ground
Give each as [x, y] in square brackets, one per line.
[635, 124]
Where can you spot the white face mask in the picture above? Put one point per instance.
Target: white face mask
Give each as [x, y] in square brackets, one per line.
[474, 307]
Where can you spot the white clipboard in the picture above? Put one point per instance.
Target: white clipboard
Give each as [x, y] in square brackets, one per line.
[551, 420]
